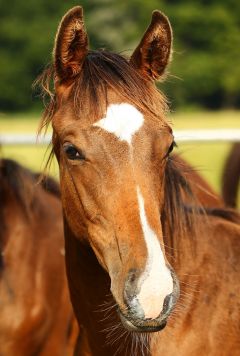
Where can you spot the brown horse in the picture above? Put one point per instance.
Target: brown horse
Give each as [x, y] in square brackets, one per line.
[231, 177]
[35, 312]
[131, 221]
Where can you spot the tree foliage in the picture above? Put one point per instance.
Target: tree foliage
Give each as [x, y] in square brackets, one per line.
[205, 70]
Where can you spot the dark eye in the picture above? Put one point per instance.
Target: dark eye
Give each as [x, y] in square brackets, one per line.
[173, 144]
[73, 153]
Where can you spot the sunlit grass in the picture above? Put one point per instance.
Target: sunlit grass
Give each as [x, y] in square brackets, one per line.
[19, 123]
[29, 122]
[207, 158]
[32, 156]
[206, 120]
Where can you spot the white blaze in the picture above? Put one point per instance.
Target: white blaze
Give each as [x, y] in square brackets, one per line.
[123, 120]
[156, 281]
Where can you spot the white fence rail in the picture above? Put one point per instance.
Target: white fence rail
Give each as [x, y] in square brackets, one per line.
[24, 139]
[210, 135]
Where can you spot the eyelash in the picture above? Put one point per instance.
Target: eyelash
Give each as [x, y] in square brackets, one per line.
[73, 153]
[170, 149]
[173, 144]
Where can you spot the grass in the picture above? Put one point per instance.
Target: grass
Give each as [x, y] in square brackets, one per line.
[206, 120]
[208, 158]
[19, 123]
[31, 156]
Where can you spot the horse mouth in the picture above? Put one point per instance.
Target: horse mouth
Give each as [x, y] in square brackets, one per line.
[133, 319]
[138, 325]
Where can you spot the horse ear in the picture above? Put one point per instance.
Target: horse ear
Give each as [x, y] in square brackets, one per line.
[154, 51]
[71, 44]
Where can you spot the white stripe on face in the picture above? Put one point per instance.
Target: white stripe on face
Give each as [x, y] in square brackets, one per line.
[156, 281]
[123, 120]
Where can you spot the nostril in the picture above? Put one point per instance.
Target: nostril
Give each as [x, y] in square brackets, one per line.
[130, 294]
[168, 304]
[132, 277]
[131, 284]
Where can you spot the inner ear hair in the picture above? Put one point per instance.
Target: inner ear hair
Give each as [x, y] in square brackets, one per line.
[153, 53]
[71, 44]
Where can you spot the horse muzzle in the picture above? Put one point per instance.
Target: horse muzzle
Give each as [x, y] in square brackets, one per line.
[134, 319]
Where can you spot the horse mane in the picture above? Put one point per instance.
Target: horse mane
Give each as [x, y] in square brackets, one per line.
[49, 184]
[13, 182]
[102, 70]
[16, 179]
[181, 209]
[224, 213]
[19, 182]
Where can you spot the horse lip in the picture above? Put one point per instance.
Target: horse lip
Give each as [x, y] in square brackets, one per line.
[142, 325]
[135, 323]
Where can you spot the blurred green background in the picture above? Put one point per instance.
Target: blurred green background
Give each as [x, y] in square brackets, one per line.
[204, 82]
[206, 45]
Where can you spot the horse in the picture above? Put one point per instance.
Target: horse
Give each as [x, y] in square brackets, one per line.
[150, 271]
[231, 177]
[205, 194]
[36, 316]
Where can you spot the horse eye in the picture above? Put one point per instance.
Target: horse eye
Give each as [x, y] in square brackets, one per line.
[73, 153]
[173, 144]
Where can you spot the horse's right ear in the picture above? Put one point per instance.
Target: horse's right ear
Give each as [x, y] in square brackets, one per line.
[71, 45]
[153, 53]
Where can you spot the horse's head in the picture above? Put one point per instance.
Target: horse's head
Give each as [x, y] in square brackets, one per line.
[112, 143]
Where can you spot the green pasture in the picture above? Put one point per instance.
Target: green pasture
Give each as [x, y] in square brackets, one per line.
[207, 158]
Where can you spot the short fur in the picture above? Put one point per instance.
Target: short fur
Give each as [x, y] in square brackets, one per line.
[102, 235]
[35, 314]
[101, 70]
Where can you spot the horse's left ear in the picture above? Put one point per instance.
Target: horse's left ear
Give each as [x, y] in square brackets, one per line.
[154, 51]
[71, 44]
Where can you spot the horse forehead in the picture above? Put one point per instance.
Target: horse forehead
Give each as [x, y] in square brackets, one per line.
[123, 120]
